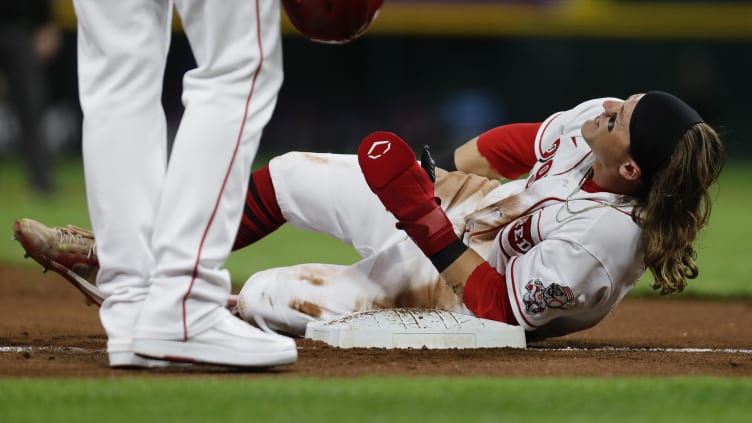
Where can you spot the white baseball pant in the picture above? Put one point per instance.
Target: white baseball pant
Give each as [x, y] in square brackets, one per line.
[327, 193]
[164, 231]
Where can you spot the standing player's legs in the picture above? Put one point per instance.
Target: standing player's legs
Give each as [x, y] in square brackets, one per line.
[122, 47]
[228, 99]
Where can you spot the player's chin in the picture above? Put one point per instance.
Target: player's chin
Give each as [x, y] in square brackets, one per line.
[588, 129]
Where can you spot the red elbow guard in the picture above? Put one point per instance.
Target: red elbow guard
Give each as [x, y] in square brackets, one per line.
[486, 295]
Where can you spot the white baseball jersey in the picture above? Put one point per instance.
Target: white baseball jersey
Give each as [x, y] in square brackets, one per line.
[568, 256]
[164, 232]
[572, 255]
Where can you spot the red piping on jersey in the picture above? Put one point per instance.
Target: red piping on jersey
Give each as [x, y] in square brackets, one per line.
[503, 251]
[494, 229]
[544, 131]
[577, 164]
[574, 141]
[540, 216]
[229, 169]
[516, 298]
[528, 210]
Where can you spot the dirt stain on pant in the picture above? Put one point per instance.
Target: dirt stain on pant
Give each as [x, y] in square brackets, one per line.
[306, 307]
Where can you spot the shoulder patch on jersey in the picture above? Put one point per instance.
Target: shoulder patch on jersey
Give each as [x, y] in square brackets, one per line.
[538, 298]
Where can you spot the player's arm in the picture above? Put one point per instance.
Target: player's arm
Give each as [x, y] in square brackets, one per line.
[507, 151]
[481, 287]
[468, 159]
[393, 174]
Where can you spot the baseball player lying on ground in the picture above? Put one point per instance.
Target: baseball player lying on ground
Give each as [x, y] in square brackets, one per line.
[613, 188]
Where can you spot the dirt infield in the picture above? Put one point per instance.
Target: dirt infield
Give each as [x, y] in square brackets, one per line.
[46, 330]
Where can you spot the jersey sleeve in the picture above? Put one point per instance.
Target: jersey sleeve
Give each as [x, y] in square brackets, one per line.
[556, 278]
[510, 149]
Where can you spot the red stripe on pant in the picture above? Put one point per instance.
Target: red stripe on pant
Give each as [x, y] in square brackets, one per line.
[261, 215]
[227, 174]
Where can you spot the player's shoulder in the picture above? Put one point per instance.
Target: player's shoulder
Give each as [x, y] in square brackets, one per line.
[614, 239]
[603, 209]
[600, 228]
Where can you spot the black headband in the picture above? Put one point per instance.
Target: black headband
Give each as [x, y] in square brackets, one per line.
[659, 121]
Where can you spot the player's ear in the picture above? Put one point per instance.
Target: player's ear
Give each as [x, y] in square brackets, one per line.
[630, 171]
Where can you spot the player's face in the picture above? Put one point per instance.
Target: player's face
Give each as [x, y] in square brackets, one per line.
[608, 133]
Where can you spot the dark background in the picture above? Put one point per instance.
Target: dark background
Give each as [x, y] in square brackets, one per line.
[444, 89]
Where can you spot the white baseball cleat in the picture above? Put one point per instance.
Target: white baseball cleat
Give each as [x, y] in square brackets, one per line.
[231, 342]
[121, 356]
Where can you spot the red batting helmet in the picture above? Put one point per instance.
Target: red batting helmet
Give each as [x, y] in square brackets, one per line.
[331, 21]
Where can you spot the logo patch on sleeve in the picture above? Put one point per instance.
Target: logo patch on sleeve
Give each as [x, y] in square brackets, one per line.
[538, 298]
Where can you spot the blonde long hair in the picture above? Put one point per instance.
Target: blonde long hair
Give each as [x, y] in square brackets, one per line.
[677, 206]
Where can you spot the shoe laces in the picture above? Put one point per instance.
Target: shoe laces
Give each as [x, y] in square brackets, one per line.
[261, 323]
[75, 235]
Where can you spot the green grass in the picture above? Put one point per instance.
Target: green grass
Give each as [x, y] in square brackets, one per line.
[285, 247]
[725, 269]
[722, 250]
[725, 272]
[377, 399]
